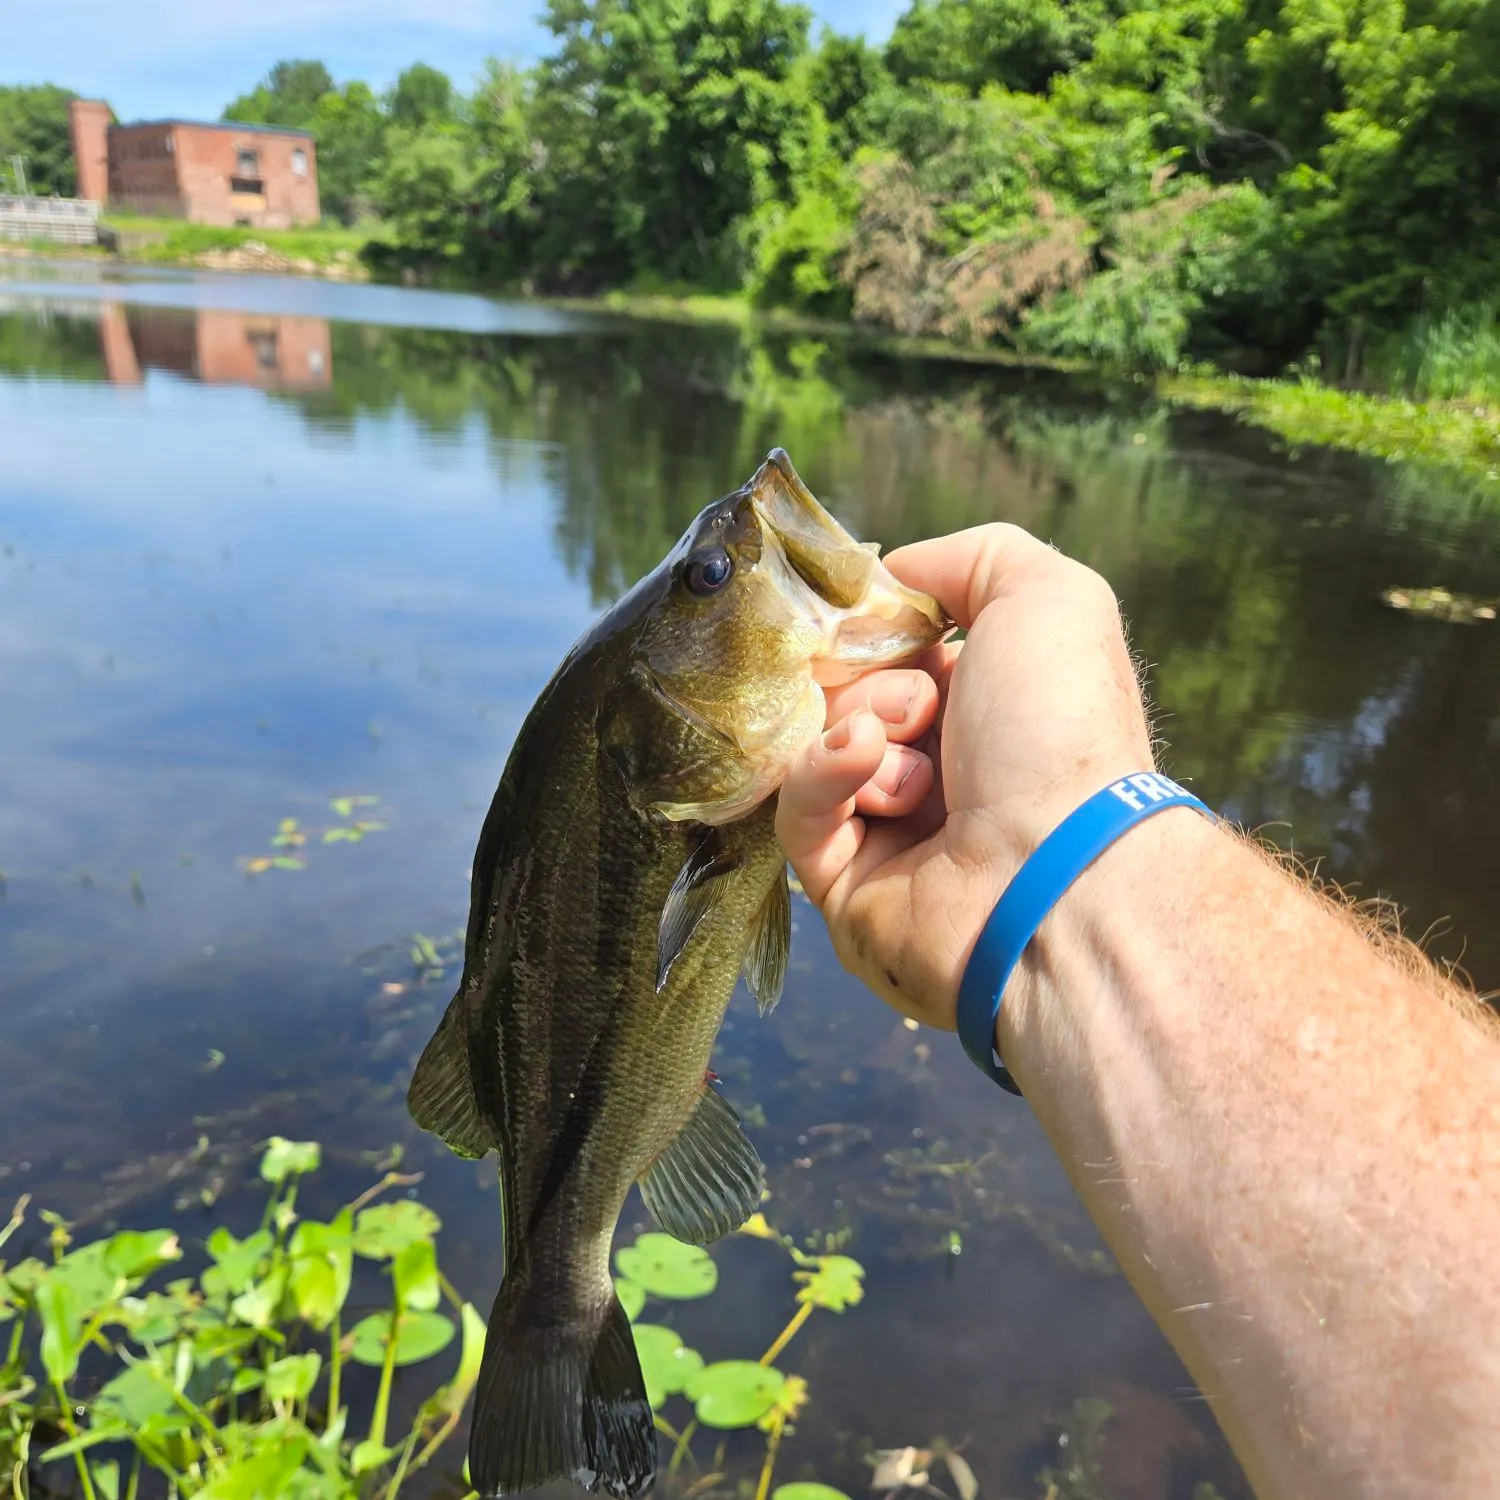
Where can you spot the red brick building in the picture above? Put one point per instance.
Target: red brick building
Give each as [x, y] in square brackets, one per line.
[262, 175]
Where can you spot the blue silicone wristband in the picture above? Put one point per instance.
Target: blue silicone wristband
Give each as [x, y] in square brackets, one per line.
[1034, 890]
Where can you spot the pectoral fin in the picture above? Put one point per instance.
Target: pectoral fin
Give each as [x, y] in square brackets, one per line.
[709, 1180]
[770, 946]
[441, 1096]
[698, 889]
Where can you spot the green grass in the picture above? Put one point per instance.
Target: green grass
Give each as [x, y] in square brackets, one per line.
[174, 240]
[1462, 438]
[1448, 356]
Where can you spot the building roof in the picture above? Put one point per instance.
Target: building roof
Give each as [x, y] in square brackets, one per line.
[235, 125]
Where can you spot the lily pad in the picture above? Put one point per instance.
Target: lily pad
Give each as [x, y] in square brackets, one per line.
[292, 1378]
[385, 1230]
[632, 1296]
[236, 1262]
[136, 1394]
[419, 1336]
[415, 1273]
[665, 1267]
[807, 1490]
[666, 1362]
[368, 1455]
[833, 1281]
[734, 1392]
[286, 1158]
[322, 1266]
[134, 1253]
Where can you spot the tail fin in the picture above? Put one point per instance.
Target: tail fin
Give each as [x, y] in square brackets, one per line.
[560, 1398]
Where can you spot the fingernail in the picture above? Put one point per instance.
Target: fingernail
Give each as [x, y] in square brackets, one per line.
[892, 697]
[897, 769]
[838, 737]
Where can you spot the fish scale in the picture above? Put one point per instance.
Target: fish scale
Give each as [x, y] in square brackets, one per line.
[626, 873]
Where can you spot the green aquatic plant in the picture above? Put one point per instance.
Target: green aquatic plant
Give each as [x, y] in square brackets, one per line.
[230, 1384]
[728, 1394]
[289, 843]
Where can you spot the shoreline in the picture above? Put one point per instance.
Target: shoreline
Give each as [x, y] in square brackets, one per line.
[1458, 437]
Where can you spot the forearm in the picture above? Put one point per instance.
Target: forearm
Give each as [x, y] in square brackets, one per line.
[1294, 1149]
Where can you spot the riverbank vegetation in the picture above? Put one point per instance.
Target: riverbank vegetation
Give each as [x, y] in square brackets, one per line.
[1133, 182]
[1254, 186]
[254, 1376]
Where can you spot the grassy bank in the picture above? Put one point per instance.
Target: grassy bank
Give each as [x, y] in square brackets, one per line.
[1458, 433]
[330, 250]
[1462, 438]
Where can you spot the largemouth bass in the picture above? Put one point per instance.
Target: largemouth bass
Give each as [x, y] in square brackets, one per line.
[626, 874]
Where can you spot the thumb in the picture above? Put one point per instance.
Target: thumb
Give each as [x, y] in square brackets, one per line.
[969, 569]
[816, 821]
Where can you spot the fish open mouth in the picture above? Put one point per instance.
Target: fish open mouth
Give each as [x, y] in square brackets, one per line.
[868, 618]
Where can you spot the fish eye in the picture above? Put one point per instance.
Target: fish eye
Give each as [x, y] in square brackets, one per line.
[708, 571]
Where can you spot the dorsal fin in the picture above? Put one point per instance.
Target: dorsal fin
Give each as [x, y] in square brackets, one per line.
[709, 1180]
[699, 887]
[441, 1096]
[770, 945]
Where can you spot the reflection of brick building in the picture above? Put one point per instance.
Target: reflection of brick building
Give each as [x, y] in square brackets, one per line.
[207, 174]
[218, 348]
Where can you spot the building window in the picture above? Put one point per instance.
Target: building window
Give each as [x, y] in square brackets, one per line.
[249, 163]
[262, 342]
[299, 163]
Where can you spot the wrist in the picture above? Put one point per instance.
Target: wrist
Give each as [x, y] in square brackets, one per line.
[1126, 905]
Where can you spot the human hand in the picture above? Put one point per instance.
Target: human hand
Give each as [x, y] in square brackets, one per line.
[966, 762]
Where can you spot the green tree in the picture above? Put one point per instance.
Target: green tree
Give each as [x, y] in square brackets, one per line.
[845, 75]
[422, 96]
[1021, 44]
[1392, 187]
[350, 131]
[691, 117]
[426, 189]
[288, 95]
[34, 124]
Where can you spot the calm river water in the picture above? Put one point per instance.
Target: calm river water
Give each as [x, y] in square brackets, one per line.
[268, 543]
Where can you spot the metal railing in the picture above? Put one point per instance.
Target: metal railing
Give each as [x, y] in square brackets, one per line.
[67, 221]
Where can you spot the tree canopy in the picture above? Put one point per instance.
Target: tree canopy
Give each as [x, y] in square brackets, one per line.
[34, 125]
[1145, 181]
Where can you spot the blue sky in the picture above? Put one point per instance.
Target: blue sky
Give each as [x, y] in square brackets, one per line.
[151, 58]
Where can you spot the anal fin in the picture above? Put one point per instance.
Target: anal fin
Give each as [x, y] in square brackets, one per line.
[709, 1180]
[441, 1096]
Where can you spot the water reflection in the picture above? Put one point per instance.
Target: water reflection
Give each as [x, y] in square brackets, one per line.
[218, 348]
[367, 598]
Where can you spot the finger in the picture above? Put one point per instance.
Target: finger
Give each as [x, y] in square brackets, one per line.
[904, 700]
[969, 569]
[815, 814]
[899, 786]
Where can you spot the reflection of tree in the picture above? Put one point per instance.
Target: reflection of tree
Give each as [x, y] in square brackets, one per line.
[57, 347]
[1249, 584]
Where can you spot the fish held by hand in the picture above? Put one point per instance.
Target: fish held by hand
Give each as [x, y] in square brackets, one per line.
[626, 874]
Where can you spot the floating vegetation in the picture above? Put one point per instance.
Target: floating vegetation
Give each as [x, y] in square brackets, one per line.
[729, 1394]
[289, 842]
[197, 1380]
[233, 1382]
[1439, 604]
